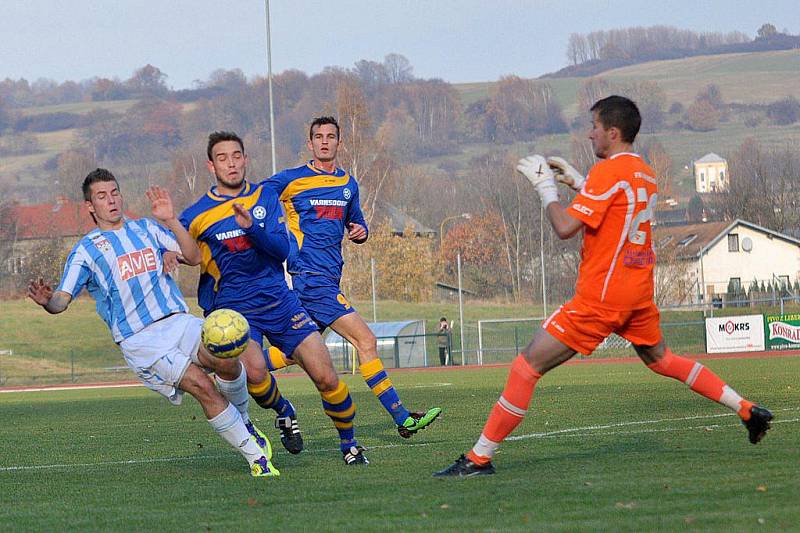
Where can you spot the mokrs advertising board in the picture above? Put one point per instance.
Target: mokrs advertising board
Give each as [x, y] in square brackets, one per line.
[782, 331]
[735, 334]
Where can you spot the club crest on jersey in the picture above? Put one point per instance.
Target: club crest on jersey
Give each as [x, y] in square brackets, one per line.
[135, 263]
[101, 243]
[346, 193]
[259, 212]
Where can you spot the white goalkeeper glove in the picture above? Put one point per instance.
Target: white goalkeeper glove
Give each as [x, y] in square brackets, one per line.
[566, 173]
[535, 168]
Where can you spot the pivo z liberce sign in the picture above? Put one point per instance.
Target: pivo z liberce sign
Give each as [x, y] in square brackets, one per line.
[782, 332]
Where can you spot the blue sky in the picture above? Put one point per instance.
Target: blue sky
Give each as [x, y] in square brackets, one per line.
[459, 41]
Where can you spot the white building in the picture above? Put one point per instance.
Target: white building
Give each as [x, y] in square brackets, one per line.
[716, 255]
[711, 173]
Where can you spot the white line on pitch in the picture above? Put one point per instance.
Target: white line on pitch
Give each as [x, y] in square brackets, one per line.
[587, 431]
[54, 388]
[629, 423]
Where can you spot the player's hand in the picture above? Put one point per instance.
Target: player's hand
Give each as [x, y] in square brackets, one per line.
[39, 291]
[535, 168]
[242, 216]
[160, 203]
[356, 232]
[170, 261]
[566, 173]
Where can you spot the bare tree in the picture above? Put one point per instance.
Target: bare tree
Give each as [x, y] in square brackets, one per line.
[361, 153]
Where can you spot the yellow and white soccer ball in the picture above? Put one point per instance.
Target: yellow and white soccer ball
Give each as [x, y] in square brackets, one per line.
[225, 333]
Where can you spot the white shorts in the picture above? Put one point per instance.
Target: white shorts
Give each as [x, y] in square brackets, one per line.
[160, 353]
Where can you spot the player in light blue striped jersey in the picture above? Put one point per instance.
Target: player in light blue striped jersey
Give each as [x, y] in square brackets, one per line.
[121, 265]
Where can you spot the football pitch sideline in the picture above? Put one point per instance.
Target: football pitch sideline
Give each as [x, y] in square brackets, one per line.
[608, 446]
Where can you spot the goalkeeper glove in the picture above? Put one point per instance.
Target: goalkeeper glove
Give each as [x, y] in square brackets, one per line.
[566, 173]
[534, 167]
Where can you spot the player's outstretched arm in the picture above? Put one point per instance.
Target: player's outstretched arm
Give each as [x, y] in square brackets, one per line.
[164, 212]
[52, 302]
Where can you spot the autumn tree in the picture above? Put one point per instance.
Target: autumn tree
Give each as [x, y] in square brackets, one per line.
[671, 281]
[362, 153]
[148, 81]
[435, 107]
[405, 265]
[784, 111]
[72, 167]
[766, 31]
[398, 68]
[482, 248]
[651, 100]
[702, 116]
[590, 92]
[763, 186]
[661, 163]
[519, 109]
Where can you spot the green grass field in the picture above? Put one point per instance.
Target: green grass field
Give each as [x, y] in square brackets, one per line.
[605, 447]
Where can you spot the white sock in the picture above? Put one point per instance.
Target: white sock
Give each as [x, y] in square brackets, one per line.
[230, 427]
[235, 391]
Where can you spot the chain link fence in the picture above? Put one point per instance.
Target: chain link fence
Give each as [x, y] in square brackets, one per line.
[488, 341]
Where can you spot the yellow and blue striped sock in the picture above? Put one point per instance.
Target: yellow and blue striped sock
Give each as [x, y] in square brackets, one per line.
[377, 380]
[339, 406]
[268, 396]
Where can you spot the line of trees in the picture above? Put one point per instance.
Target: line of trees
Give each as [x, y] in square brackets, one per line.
[643, 42]
[598, 51]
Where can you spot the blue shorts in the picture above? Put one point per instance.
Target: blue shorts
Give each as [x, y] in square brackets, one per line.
[322, 298]
[285, 326]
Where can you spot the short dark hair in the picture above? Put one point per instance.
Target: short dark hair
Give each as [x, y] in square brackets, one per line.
[95, 176]
[319, 121]
[621, 113]
[220, 136]
[443, 319]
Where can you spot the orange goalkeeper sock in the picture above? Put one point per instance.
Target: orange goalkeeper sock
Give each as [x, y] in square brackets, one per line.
[701, 380]
[508, 412]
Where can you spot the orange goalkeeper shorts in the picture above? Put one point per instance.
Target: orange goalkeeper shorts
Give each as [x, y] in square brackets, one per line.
[583, 325]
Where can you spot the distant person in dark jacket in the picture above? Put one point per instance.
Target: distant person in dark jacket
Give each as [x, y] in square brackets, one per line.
[443, 341]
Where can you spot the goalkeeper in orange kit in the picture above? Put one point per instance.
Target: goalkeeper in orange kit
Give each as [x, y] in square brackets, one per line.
[614, 292]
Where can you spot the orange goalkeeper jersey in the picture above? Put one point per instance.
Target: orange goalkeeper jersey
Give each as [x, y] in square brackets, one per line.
[616, 204]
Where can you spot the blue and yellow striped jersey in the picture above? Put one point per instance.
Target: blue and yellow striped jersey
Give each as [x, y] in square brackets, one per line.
[241, 269]
[318, 207]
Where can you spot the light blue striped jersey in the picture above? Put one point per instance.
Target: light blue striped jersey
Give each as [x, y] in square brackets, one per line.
[123, 272]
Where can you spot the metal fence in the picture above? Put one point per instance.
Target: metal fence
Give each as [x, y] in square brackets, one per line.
[683, 328]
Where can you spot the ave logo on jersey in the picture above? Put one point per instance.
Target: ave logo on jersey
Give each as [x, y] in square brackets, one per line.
[135, 263]
[346, 193]
[259, 212]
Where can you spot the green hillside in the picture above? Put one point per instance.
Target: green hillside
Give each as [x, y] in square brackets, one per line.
[751, 78]
[80, 108]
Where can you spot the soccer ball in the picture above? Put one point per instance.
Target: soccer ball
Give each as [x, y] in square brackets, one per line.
[225, 333]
